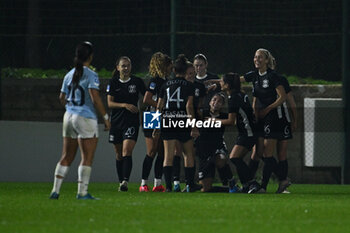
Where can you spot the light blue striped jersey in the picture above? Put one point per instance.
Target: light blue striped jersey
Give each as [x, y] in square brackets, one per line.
[78, 97]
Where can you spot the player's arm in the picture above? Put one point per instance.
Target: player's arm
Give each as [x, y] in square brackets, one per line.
[293, 108]
[190, 113]
[159, 107]
[62, 98]
[96, 100]
[229, 121]
[279, 101]
[255, 108]
[113, 104]
[147, 99]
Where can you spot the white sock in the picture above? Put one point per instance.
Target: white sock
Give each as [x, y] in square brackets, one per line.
[62, 172]
[83, 179]
[176, 182]
[143, 182]
[157, 182]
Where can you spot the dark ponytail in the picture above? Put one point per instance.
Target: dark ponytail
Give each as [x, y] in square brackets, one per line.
[233, 81]
[82, 54]
[180, 65]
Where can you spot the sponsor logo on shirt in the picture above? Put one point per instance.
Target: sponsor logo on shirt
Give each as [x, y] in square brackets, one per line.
[265, 83]
[196, 92]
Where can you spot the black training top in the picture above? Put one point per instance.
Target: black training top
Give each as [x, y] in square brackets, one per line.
[212, 136]
[175, 93]
[284, 82]
[264, 86]
[199, 92]
[125, 92]
[238, 102]
[209, 94]
[154, 87]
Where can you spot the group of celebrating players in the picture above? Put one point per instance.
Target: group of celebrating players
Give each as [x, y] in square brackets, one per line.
[194, 94]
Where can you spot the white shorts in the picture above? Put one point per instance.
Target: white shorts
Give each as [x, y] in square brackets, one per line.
[75, 126]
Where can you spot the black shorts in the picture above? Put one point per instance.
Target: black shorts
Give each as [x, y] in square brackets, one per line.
[117, 136]
[275, 127]
[148, 133]
[207, 159]
[245, 141]
[182, 135]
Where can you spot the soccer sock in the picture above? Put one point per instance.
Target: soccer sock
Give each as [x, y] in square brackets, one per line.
[157, 182]
[83, 179]
[119, 168]
[222, 175]
[253, 166]
[146, 167]
[242, 169]
[227, 171]
[176, 168]
[219, 189]
[127, 166]
[189, 175]
[158, 167]
[270, 164]
[168, 175]
[283, 169]
[62, 172]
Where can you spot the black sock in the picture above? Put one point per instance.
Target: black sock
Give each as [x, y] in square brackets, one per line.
[270, 165]
[146, 167]
[168, 176]
[218, 189]
[242, 170]
[222, 175]
[283, 170]
[253, 167]
[176, 168]
[158, 167]
[227, 171]
[119, 167]
[127, 166]
[189, 174]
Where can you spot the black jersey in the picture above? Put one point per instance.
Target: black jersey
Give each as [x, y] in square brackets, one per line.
[154, 87]
[239, 103]
[199, 92]
[175, 93]
[210, 93]
[213, 137]
[284, 82]
[264, 87]
[283, 110]
[125, 92]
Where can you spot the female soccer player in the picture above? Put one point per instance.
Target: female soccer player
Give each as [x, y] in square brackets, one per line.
[80, 95]
[176, 104]
[122, 97]
[200, 63]
[290, 124]
[241, 112]
[269, 96]
[211, 149]
[198, 97]
[160, 68]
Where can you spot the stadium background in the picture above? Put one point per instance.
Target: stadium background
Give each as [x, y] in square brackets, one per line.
[304, 36]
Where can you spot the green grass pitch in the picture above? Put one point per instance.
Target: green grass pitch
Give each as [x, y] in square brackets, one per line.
[25, 207]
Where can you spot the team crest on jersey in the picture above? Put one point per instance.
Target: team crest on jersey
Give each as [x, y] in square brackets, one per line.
[132, 89]
[196, 92]
[108, 87]
[152, 85]
[265, 83]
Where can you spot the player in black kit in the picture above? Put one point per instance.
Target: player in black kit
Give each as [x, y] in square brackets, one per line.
[160, 68]
[122, 96]
[176, 104]
[200, 63]
[211, 148]
[269, 96]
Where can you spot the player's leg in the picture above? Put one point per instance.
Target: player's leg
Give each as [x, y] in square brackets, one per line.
[189, 166]
[151, 146]
[270, 162]
[119, 161]
[158, 168]
[257, 154]
[70, 145]
[128, 147]
[176, 166]
[87, 150]
[243, 171]
[169, 148]
[221, 163]
[282, 168]
[206, 183]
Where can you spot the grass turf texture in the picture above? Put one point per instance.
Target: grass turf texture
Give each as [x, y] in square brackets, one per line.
[25, 207]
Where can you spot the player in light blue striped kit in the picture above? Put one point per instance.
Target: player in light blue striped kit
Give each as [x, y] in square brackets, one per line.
[80, 95]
